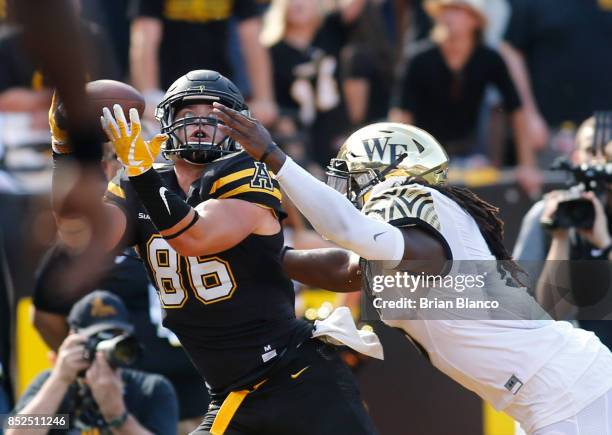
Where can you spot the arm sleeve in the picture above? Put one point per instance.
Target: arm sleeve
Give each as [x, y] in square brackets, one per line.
[245, 9]
[334, 217]
[501, 78]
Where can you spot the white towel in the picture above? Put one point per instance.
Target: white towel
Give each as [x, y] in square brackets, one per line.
[339, 329]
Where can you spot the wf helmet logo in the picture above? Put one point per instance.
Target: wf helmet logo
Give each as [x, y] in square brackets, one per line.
[377, 148]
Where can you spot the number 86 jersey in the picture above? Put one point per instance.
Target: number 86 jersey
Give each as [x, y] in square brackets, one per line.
[232, 311]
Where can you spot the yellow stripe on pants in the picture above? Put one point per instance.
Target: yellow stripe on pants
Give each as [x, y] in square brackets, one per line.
[228, 409]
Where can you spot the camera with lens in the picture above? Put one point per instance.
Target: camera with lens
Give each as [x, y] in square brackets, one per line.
[575, 211]
[578, 212]
[119, 350]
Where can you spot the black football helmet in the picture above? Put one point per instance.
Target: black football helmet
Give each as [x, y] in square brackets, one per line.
[197, 87]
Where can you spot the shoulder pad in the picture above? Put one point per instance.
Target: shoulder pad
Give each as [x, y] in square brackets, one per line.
[402, 205]
[241, 177]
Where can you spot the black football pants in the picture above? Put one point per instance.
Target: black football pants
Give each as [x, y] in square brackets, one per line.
[314, 394]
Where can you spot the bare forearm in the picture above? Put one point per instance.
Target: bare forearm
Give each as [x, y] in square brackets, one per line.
[526, 155]
[144, 53]
[257, 59]
[47, 401]
[518, 71]
[327, 268]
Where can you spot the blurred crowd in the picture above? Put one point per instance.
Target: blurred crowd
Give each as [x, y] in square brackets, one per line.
[502, 84]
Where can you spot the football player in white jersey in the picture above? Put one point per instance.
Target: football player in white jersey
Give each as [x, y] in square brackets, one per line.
[549, 376]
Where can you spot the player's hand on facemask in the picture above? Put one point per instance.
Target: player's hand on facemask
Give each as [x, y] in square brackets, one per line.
[59, 136]
[136, 154]
[254, 138]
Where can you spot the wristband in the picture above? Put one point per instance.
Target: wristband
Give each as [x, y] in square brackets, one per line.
[189, 225]
[165, 207]
[271, 147]
[284, 252]
[117, 422]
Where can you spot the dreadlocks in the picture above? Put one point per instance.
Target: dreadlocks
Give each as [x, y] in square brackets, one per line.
[486, 217]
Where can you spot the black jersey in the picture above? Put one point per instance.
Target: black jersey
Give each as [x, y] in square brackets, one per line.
[232, 311]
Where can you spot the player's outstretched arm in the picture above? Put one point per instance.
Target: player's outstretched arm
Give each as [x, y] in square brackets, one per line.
[220, 224]
[332, 269]
[330, 213]
[339, 270]
[213, 226]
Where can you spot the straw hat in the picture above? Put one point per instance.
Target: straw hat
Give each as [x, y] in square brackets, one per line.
[433, 8]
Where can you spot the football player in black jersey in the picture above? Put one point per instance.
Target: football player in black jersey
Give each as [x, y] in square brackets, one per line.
[208, 231]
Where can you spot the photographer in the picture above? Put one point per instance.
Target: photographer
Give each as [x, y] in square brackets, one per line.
[86, 384]
[575, 225]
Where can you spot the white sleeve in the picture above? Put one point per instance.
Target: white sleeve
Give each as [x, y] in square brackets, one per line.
[334, 217]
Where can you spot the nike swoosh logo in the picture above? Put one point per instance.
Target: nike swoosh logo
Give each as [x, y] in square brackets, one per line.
[162, 193]
[298, 374]
[378, 234]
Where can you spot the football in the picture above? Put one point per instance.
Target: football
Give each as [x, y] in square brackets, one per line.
[106, 93]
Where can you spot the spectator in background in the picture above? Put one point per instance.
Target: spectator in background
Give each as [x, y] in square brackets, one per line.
[22, 86]
[561, 286]
[559, 56]
[97, 396]
[172, 37]
[443, 87]
[25, 96]
[367, 68]
[305, 45]
[127, 279]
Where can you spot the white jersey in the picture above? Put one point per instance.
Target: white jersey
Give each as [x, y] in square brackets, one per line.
[537, 371]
